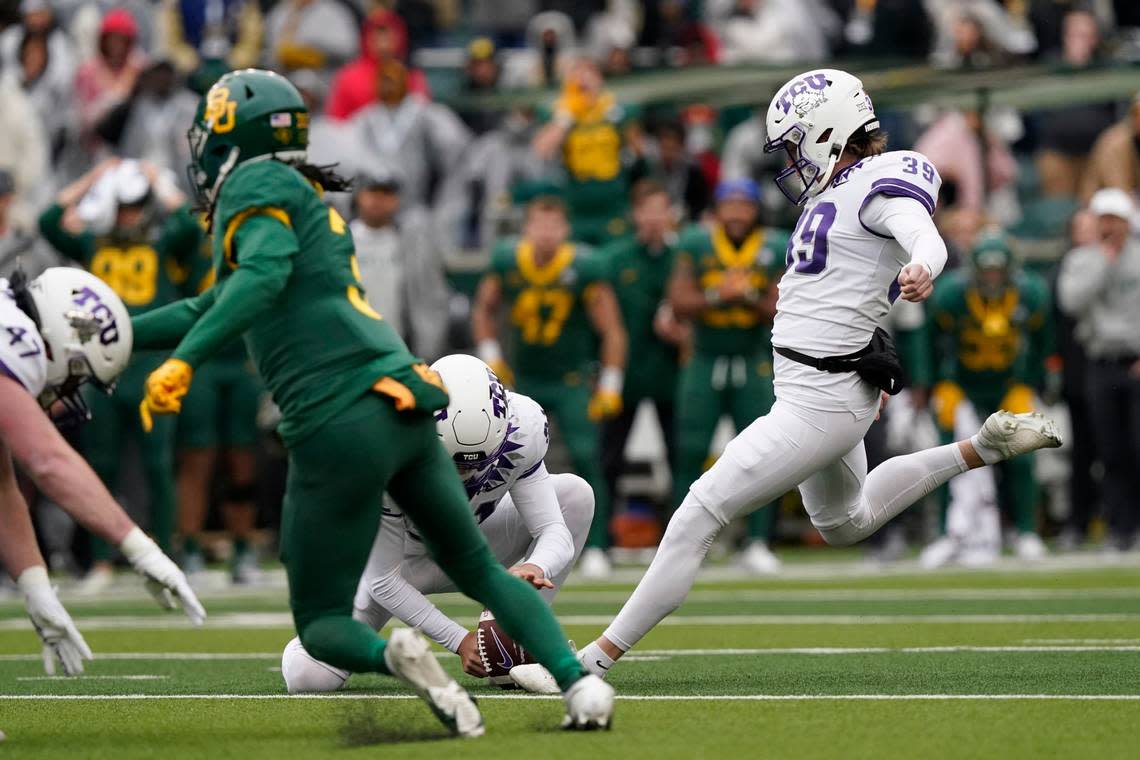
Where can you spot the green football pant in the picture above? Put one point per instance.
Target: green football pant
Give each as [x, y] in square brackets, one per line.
[114, 420]
[709, 388]
[567, 405]
[333, 505]
[1018, 491]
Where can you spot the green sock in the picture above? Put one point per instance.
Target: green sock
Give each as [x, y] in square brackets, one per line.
[241, 546]
[190, 546]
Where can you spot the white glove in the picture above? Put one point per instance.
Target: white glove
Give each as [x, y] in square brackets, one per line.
[62, 640]
[165, 582]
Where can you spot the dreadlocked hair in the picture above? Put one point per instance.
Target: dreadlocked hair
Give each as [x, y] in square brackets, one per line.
[863, 144]
[324, 177]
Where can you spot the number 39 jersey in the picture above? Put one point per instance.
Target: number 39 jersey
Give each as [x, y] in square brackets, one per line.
[22, 356]
[841, 276]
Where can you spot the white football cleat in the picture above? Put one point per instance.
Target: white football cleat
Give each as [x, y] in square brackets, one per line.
[595, 564]
[1030, 547]
[1013, 434]
[589, 705]
[938, 553]
[758, 559]
[534, 678]
[305, 674]
[410, 659]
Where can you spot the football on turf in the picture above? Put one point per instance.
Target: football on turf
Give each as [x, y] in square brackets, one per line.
[498, 651]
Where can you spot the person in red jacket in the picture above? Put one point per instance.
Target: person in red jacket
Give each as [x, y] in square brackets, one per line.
[383, 37]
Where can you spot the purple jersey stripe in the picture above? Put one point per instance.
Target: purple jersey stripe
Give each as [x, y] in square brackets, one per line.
[894, 290]
[532, 470]
[892, 187]
[8, 371]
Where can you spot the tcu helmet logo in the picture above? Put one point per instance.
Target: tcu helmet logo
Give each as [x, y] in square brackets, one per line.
[498, 395]
[803, 95]
[96, 317]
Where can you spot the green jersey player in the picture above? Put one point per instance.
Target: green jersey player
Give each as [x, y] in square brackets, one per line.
[356, 405]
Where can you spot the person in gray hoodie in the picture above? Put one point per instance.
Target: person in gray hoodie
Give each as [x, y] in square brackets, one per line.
[1099, 286]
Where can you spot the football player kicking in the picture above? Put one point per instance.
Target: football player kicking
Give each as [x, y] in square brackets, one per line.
[58, 332]
[356, 405]
[498, 441]
[865, 236]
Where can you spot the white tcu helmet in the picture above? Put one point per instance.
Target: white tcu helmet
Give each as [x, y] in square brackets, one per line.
[473, 428]
[812, 117]
[86, 332]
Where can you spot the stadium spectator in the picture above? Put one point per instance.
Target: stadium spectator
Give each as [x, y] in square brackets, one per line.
[309, 34]
[108, 78]
[973, 161]
[480, 75]
[418, 139]
[675, 31]
[153, 118]
[743, 157]
[640, 265]
[1099, 286]
[596, 142]
[477, 204]
[505, 21]
[777, 31]
[1115, 157]
[1066, 134]
[229, 30]
[680, 174]
[401, 263]
[888, 29]
[129, 225]
[383, 38]
[551, 46]
[23, 151]
[19, 245]
[978, 34]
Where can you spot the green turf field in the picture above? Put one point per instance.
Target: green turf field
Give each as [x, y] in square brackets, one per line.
[832, 661]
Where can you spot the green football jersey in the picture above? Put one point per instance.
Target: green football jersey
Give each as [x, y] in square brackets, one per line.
[987, 344]
[640, 278]
[200, 277]
[733, 328]
[322, 346]
[146, 270]
[551, 334]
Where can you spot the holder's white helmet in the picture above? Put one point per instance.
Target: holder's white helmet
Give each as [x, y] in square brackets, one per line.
[86, 332]
[473, 427]
[812, 117]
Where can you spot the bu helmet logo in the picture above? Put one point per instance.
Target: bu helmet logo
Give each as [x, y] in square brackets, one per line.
[221, 111]
[803, 94]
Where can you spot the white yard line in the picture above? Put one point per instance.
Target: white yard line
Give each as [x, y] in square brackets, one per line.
[620, 697]
[579, 595]
[285, 620]
[93, 678]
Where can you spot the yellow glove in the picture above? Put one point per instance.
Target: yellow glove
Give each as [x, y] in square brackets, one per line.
[165, 388]
[604, 405]
[504, 371]
[944, 399]
[1019, 399]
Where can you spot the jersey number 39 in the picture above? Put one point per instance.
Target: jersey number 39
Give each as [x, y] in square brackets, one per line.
[807, 248]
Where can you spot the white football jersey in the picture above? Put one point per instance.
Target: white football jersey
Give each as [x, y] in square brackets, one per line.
[528, 438]
[22, 354]
[841, 277]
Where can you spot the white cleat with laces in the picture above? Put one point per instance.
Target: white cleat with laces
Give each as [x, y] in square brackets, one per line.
[1012, 434]
[589, 705]
[410, 659]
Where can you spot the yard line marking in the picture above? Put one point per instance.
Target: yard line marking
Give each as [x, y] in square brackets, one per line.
[646, 654]
[285, 620]
[93, 678]
[1080, 641]
[580, 595]
[620, 697]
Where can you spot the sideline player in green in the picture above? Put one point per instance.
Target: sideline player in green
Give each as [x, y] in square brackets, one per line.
[356, 405]
[724, 280]
[992, 335]
[217, 429]
[141, 249]
[561, 304]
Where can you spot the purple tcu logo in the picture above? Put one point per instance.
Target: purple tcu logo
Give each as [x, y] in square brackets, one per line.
[498, 395]
[89, 300]
[803, 94]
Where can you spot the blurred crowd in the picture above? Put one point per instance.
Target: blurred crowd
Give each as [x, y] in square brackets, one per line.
[1038, 310]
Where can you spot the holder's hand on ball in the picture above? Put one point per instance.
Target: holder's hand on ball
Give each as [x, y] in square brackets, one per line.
[532, 574]
[469, 655]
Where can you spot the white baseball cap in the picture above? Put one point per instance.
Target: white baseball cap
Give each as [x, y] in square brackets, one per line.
[1111, 201]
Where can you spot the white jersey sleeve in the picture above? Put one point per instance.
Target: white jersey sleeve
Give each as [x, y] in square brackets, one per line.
[842, 276]
[22, 355]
